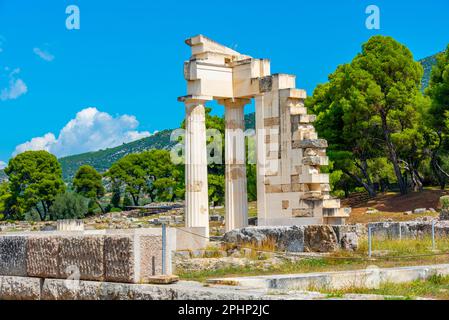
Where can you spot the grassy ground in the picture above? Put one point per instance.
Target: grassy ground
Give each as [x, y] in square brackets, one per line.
[391, 253]
[308, 265]
[405, 247]
[436, 287]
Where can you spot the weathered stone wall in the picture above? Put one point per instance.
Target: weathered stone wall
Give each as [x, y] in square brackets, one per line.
[118, 258]
[102, 256]
[150, 257]
[84, 253]
[25, 288]
[313, 238]
[13, 252]
[20, 288]
[326, 238]
[42, 257]
[409, 229]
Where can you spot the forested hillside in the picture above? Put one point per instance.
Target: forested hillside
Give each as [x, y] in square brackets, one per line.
[427, 64]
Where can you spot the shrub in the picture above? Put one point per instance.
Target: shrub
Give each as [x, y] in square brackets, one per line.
[444, 202]
[69, 206]
[338, 193]
[115, 210]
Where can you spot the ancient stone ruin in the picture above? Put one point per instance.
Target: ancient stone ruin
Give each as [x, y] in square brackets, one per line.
[294, 201]
[290, 188]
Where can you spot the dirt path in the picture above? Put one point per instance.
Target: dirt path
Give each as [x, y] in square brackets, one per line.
[393, 206]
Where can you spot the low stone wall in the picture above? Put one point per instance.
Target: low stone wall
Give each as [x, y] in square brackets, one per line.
[409, 229]
[312, 238]
[130, 256]
[25, 288]
[326, 238]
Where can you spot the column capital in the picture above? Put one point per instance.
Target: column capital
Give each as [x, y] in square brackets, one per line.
[234, 102]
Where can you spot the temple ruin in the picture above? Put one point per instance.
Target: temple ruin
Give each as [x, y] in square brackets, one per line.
[290, 188]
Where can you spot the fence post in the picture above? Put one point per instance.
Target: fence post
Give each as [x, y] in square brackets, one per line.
[164, 247]
[433, 235]
[369, 242]
[400, 230]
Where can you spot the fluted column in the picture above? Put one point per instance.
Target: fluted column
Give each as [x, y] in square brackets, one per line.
[236, 198]
[196, 202]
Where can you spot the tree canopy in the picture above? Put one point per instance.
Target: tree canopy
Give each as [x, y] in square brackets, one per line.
[367, 108]
[35, 179]
[88, 183]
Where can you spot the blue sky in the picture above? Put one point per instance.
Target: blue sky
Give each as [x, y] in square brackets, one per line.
[125, 62]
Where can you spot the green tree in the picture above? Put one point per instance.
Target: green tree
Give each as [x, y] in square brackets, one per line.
[394, 93]
[5, 197]
[251, 174]
[69, 206]
[116, 195]
[35, 180]
[127, 201]
[438, 118]
[129, 171]
[216, 188]
[161, 175]
[150, 173]
[365, 104]
[88, 183]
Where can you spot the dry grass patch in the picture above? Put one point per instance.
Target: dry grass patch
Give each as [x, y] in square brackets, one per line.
[435, 287]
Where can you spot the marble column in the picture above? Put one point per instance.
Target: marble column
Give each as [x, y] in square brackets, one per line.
[236, 198]
[196, 202]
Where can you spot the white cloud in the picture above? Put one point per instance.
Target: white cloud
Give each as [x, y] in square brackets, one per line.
[3, 165]
[38, 143]
[16, 87]
[91, 130]
[44, 54]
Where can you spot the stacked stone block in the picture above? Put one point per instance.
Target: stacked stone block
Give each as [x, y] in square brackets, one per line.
[83, 255]
[132, 258]
[292, 190]
[305, 238]
[13, 256]
[42, 257]
[120, 257]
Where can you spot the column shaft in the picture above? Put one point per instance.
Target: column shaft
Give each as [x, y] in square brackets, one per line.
[196, 202]
[236, 198]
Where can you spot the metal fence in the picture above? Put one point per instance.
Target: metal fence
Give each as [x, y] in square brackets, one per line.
[406, 230]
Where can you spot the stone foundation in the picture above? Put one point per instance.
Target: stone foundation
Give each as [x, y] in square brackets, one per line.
[313, 238]
[130, 256]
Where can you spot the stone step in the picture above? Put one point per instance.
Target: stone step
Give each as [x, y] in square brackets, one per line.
[294, 93]
[370, 278]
